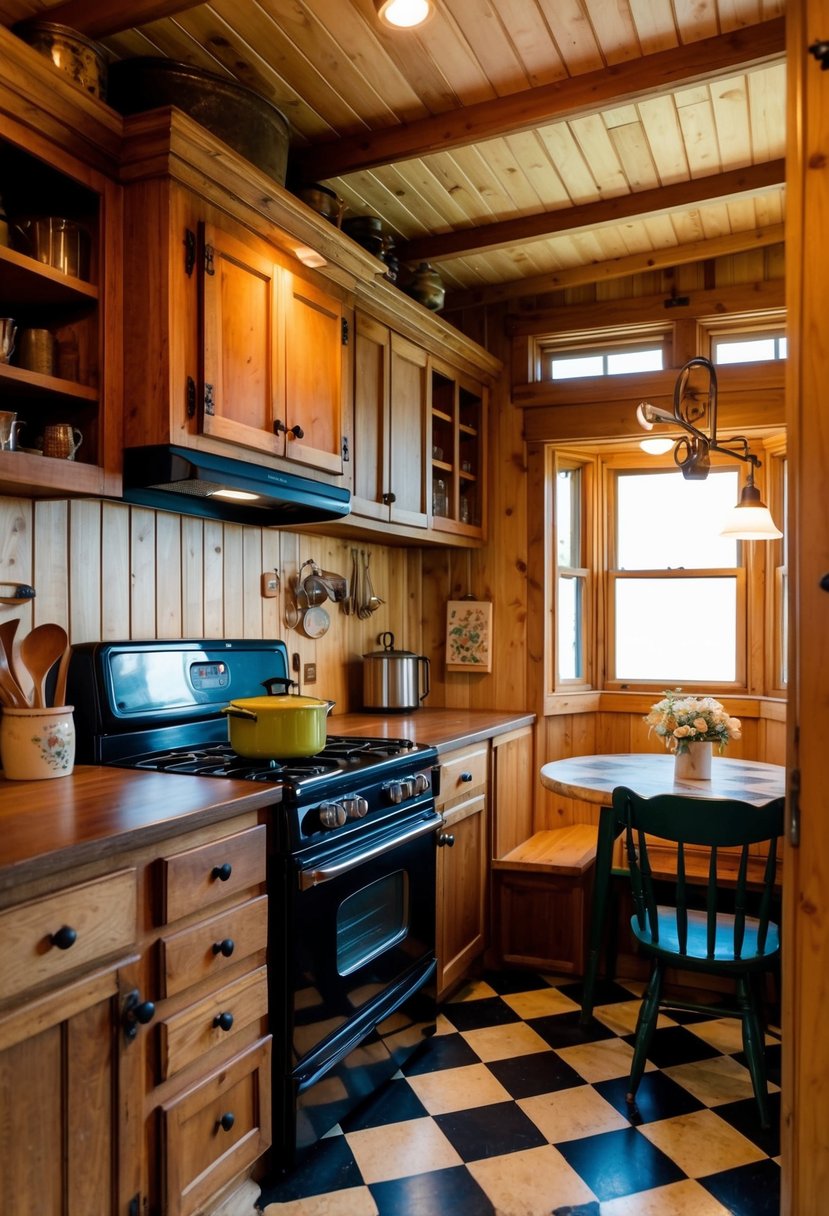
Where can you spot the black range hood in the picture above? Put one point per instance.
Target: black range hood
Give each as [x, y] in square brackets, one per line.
[199, 483]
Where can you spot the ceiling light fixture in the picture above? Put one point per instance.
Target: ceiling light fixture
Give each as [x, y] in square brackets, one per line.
[656, 447]
[750, 518]
[404, 14]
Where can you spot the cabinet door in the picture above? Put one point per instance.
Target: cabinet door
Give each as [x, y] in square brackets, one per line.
[459, 453]
[461, 890]
[71, 1085]
[240, 342]
[315, 337]
[372, 368]
[408, 403]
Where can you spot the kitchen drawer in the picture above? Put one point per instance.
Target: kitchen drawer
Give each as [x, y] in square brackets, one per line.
[463, 772]
[196, 878]
[192, 954]
[195, 1030]
[215, 1130]
[95, 921]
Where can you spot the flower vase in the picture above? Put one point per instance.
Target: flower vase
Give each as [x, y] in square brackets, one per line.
[693, 762]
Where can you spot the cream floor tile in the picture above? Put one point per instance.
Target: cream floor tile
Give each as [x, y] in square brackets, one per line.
[685, 1198]
[400, 1149]
[530, 1183]
[353, 1201]
[539, 1003]
[600, 1061]
[621, 1017]
[475, 990]
[570, 1114]
[701, 1143]
[721, 1079]
[458, 1089]
[504, 1042]
[444, 1026]
[725, 1034]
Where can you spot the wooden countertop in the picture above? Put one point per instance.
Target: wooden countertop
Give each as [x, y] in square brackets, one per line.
[46, 826]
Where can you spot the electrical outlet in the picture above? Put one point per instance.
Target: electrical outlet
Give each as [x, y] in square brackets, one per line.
[310, 673]
[270, 584]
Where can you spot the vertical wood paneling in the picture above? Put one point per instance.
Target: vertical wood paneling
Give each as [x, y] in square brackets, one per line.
[213, 601]
[50, 567]
[169, 578]
[193, 588]
[233, 574]
[251, 593]
[86, 588]
[16, 555]
[115, 572]
[143, 573]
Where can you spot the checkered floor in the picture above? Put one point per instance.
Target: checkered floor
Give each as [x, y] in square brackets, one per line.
[514, 1109]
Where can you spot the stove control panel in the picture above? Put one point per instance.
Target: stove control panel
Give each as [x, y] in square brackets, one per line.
[406, 787]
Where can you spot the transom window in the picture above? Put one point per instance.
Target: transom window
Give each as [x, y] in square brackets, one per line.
[604, 361]
[748, 348]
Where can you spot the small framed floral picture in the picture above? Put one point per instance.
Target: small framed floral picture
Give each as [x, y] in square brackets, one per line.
[469, 635]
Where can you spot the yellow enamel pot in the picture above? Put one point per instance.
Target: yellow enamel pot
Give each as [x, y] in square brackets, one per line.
[277, 727]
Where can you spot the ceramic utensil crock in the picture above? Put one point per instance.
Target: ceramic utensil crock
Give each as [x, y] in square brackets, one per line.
[37, 744]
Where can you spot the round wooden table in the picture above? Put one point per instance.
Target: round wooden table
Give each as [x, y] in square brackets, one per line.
[594, 778]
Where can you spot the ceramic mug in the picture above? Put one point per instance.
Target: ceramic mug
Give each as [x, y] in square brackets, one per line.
[8, 333]
[8, 430]
[37, 351]
[62, 440]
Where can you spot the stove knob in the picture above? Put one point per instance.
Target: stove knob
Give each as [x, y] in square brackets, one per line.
[356, 808]
[395, 789]
[421, 783]
[332, 815]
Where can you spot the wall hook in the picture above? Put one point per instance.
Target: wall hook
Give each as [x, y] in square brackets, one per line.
[21, 593]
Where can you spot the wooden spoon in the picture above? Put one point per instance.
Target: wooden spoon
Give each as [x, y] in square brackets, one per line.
[11, 694]
[7, 631]
[60, 681]
[39, 651]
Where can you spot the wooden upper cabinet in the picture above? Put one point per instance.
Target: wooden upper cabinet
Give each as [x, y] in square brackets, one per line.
[459, 408]
[391, 401]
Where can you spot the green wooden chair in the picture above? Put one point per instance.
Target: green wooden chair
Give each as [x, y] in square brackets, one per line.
[703, 939]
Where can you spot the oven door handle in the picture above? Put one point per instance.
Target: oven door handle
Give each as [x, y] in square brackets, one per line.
[314, 878]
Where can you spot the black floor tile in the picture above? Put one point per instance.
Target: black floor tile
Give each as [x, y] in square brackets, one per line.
[489, 1131]
[507, 983]
[328, 1166]
[439, 1193]
[565, 1029]
[658, 1097]
[674, 1045]
[746, 1118]
[394, 1103]
[474, 1015]
[605, 992]
[541, 1072]
[774, 1053]
[443, 1051]
[749, 1190]
[619, 1163]
[580, 1209]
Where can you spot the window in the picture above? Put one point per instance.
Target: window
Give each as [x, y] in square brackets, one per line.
[571, 575]
[604, 361]
[748, 348]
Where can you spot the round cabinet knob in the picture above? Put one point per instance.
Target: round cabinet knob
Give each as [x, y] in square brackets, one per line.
[446, 840]
[227, 1120]
[356, 808]
[466, 776]
[222, 872]
[421, 783]
[332, 815]
[136, 1013]
[144, 1012]
[65, 937]
[225, 947]
[224, 1021]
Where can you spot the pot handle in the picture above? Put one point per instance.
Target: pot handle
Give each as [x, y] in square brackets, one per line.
[285, 681]
[236, 711]
[421, 658]
[386, 640]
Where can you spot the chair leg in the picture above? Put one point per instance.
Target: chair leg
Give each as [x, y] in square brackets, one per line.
[754, 1046]
[645, 1026]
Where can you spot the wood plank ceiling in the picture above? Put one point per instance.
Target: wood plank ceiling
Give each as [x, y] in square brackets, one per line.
[516, 144]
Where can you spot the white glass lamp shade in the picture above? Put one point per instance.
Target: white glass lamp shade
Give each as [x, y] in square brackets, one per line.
[403, 14]
[656, 446]
[750, 519]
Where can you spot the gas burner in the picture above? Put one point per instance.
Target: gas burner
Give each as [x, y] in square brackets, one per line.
[348, 746]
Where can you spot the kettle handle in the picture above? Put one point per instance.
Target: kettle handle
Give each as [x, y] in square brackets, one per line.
[421, 658]
[386, 644]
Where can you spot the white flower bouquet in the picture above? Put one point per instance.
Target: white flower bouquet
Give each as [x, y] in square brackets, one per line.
[680, 720]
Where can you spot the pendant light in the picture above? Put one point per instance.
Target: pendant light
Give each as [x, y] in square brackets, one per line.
[750, 519]
[404, 14]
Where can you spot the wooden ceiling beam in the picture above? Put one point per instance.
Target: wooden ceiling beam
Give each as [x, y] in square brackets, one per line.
[616, 268]
[631, 80]
[100, 18]
[540, 225]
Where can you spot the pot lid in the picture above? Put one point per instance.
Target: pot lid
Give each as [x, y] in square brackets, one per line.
[388, 652]
[280, 701]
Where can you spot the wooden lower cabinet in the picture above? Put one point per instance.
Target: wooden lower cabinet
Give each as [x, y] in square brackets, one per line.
[71, 1084]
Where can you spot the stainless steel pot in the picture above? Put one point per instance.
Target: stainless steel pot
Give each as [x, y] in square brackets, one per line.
[392, 678]
[278, 726]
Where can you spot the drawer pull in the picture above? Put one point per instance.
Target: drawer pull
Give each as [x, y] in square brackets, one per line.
[446, 839]
[224, 947]
[65, 937]
[227, 1120]
[223, 1020]
[136, 1013]
[466, 776]
[222, 872]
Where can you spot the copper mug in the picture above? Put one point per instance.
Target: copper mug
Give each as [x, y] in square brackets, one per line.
[8, 333]
[62, 440]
